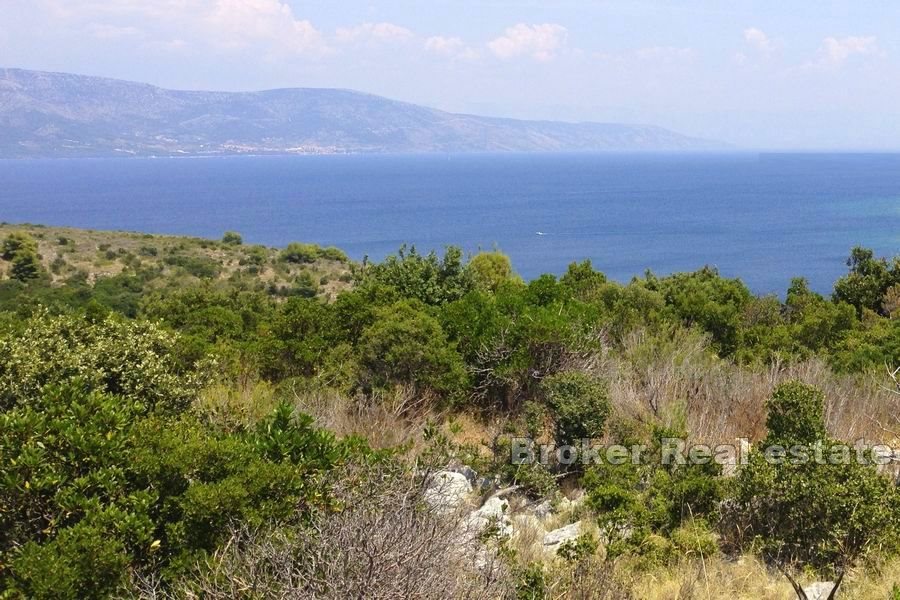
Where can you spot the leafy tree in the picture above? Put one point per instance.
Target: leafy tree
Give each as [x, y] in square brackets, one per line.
[20, 249]
[633, 306]
[299, 337]
[406, 345]
[489, 270]
[582, 281]
[429, 279]
[869, 279]
[706, 299]
[519, 335]
[816, 324]
[869, 348]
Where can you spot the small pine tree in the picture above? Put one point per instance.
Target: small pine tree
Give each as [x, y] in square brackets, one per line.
[25, 266]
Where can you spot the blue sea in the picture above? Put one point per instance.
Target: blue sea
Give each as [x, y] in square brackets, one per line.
[762, 217]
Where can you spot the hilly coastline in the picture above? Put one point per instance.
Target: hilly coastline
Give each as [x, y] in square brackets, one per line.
[63, 115]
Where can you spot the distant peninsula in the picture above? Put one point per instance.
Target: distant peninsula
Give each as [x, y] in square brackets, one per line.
[57, 115]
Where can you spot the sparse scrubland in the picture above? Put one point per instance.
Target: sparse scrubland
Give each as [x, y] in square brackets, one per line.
[184, 418]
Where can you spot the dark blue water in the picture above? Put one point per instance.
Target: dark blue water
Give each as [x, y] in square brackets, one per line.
[763, 218]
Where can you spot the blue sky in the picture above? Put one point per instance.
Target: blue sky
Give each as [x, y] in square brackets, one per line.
[760, 74]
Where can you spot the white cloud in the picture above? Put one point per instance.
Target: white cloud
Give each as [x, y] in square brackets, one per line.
[836, 51]
[273, 21]
[759, 40]
[450, 47]
[540, 42]
[373, 31]
[271, 24]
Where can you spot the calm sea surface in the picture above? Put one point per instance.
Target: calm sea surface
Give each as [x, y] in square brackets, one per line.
[764, 218]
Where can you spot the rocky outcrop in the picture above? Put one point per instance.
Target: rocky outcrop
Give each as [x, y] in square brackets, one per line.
[556, 538]
[819, 590]
[447, 491]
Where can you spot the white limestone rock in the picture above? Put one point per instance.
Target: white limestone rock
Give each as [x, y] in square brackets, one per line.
[447, 491]
[554, 539]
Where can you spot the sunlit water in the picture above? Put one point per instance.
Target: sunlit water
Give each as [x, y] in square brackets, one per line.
[763, 218]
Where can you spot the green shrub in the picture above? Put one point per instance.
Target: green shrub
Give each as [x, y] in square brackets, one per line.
[83, 561]
[579, 405]
[578, 549]
[131, 359]
[426, 278]
[535, 479]
[232, 238]
[298, 253]
[796, 415]
[822, 512]
[651, 498]
[531, 582]
[490, 270]
[58, 264]
[694, 539]
[332, 253]
[299, 339]
[256, 256]
[91, 488]
[103, 473]
[25, 266]
[305, 286]
[406, 345]
[198, 266]
[15, 243]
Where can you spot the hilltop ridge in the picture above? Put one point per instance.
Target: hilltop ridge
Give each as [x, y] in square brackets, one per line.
[64, 115]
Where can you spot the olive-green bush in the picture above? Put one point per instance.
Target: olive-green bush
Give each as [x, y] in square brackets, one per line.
[823, 512]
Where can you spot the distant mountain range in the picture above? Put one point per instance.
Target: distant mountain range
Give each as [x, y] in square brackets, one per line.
[62, 115]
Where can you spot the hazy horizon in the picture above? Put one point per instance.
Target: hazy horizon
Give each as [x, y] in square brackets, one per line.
[761, 76]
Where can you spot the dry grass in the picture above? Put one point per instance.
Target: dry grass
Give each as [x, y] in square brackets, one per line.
[384, 543]
[383, 420]
[237, 407]
[749, 579]
[680, 379]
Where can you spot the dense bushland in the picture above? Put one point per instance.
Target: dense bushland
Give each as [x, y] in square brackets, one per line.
[154, 434]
